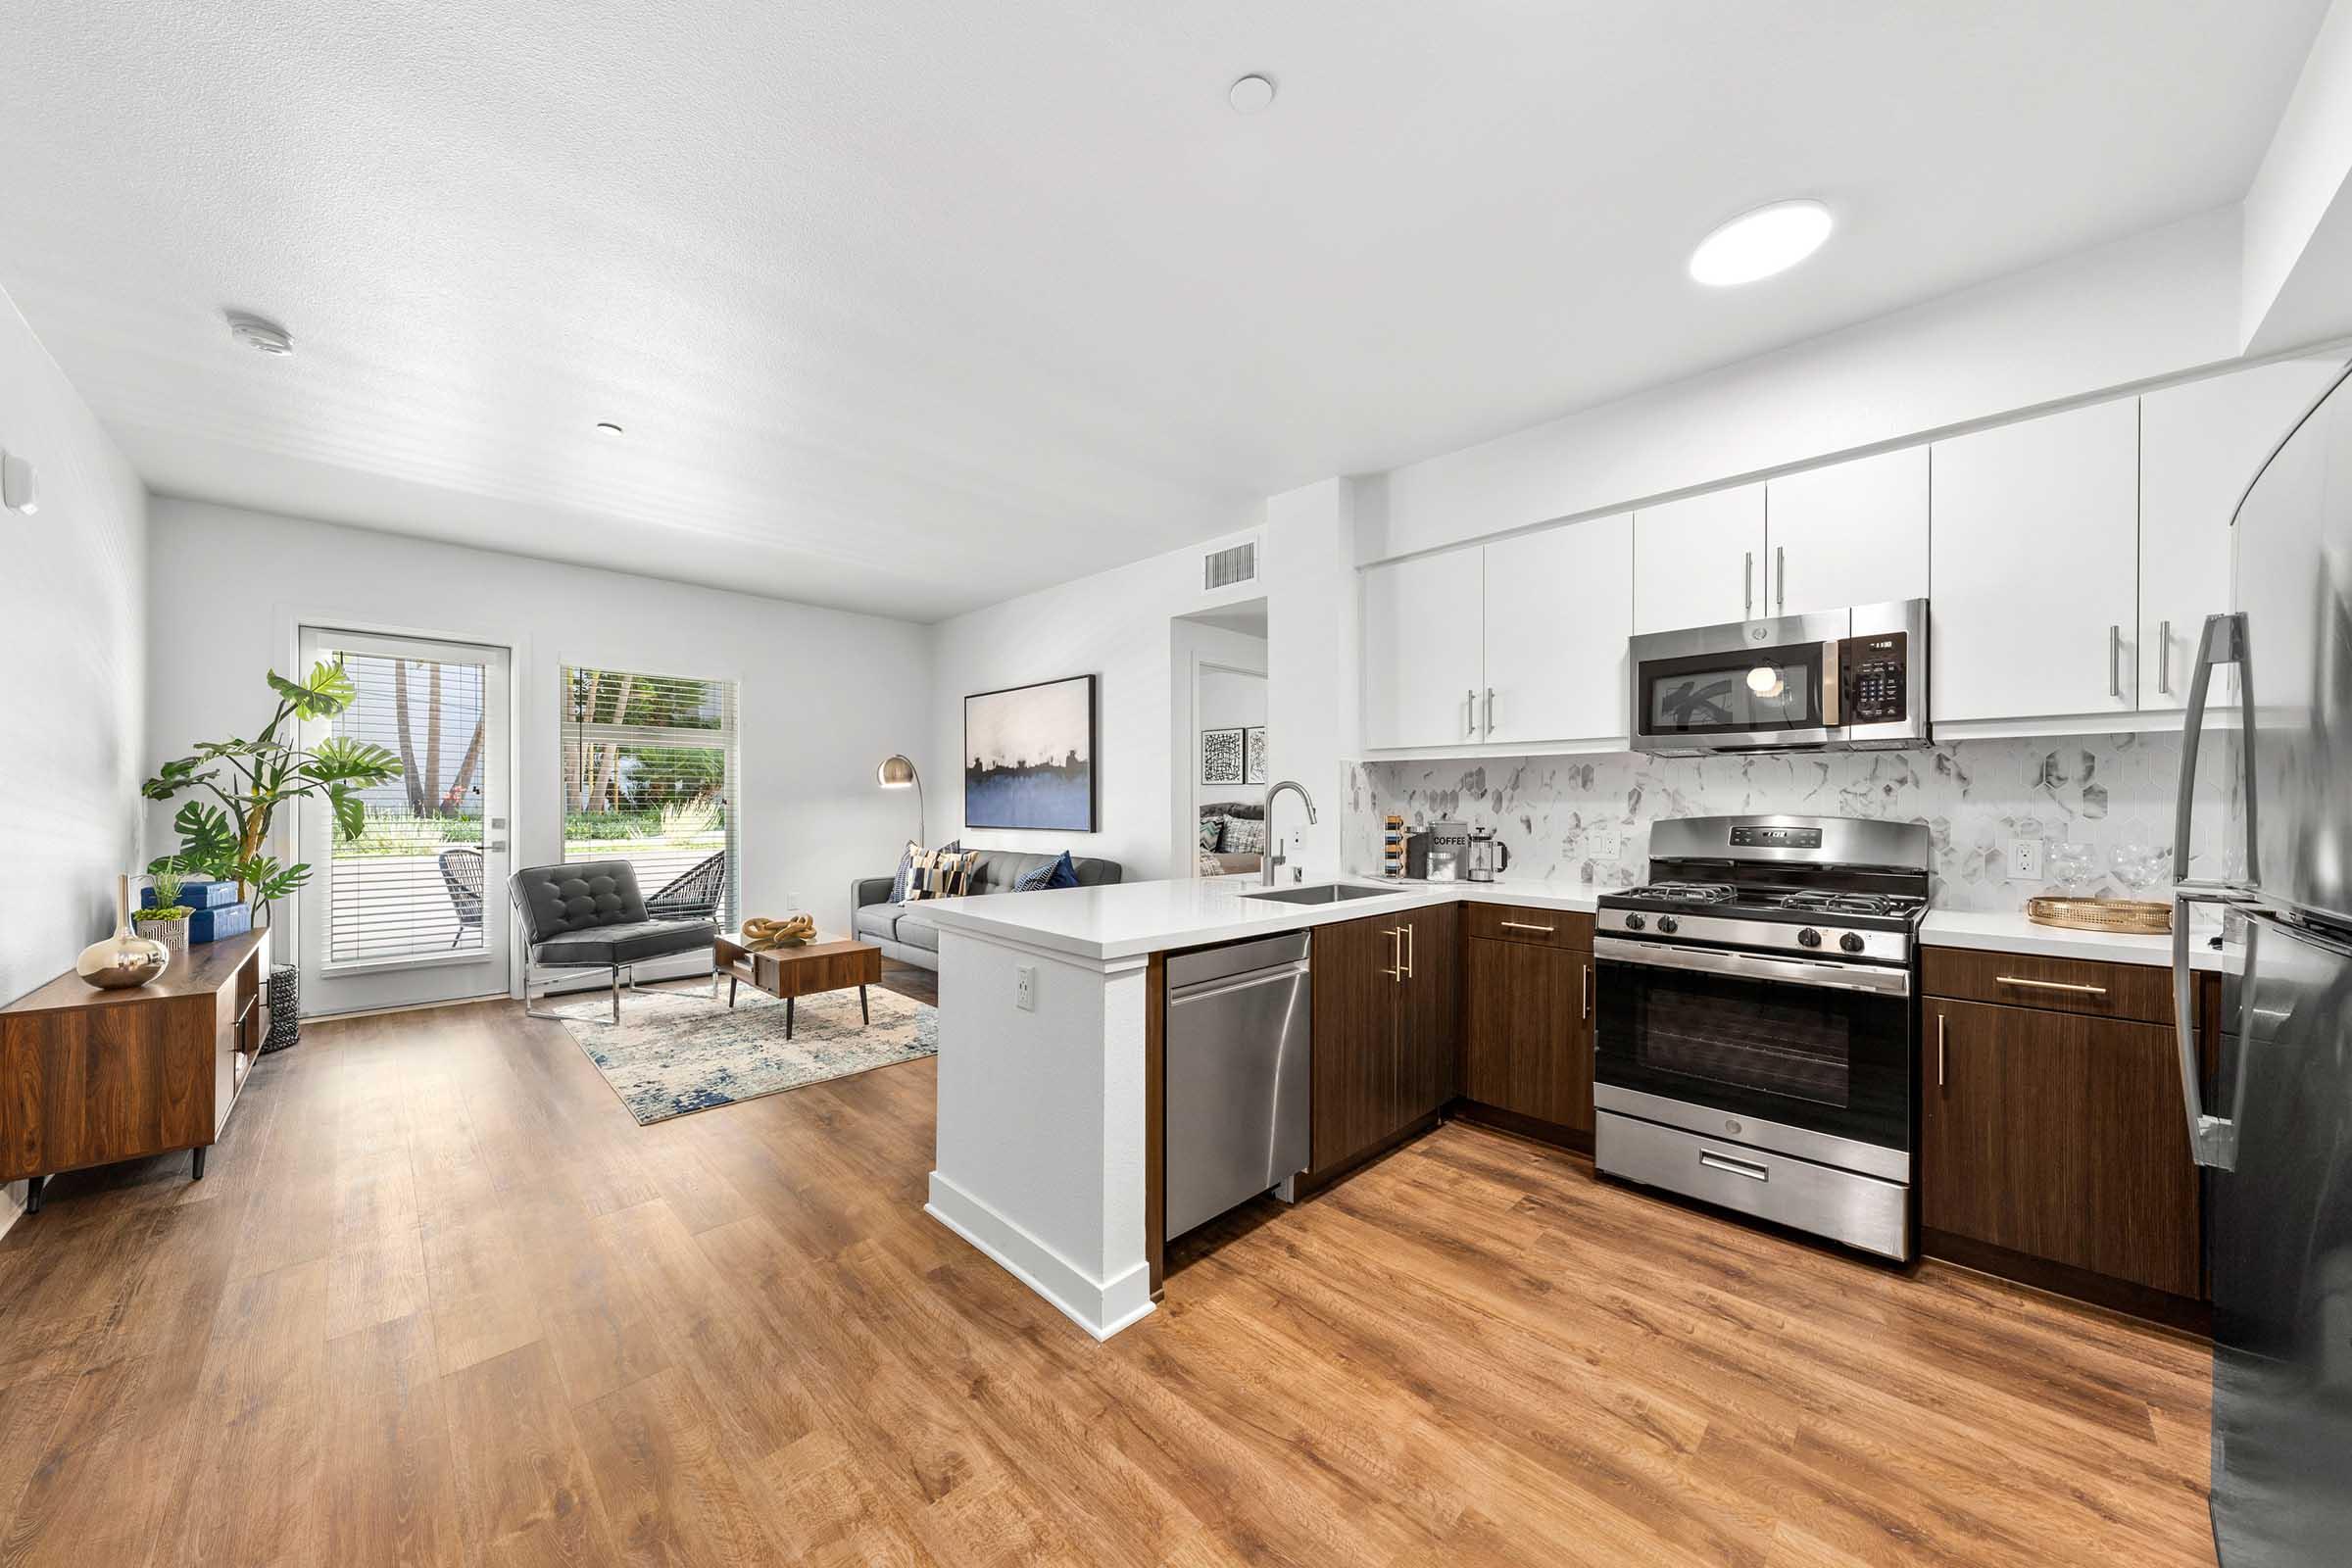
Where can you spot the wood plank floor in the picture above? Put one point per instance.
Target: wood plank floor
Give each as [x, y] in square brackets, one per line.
[440, 1300]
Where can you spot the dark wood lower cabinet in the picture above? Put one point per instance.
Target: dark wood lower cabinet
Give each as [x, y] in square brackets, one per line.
[2060, 1137]
[1527, 1039]
[1385, 997]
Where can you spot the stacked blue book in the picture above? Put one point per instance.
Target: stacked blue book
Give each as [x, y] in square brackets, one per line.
[215, 910]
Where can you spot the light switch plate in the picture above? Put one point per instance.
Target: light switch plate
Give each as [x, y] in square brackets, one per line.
[1024, 988]
[2025, 860]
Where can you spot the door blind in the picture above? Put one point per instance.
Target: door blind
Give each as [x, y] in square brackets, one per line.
[410, 884]
[650, 775]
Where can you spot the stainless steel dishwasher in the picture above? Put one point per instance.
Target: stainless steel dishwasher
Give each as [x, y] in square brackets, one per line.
[1237, 1066]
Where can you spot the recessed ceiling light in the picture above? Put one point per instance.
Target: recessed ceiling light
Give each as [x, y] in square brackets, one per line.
[1757, 244]
[259, 332]
[606, 427]
[1249, 95]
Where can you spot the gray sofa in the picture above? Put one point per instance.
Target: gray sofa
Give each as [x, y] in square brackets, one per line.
[905, 931]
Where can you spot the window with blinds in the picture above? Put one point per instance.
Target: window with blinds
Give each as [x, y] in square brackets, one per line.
[411, 885]
[651, 774]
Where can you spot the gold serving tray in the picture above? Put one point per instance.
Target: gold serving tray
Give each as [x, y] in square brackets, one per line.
[2136, 917]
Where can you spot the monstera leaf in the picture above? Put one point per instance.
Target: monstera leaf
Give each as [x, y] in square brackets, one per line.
[328, 692]
[206, 837]
[268, 880]
[351, 812]
[174, 776]
[340, 759]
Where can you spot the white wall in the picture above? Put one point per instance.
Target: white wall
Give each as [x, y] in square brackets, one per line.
[1314, 700]
[1216, 681]
[72, 642]
[2156, 305]
[825, 695]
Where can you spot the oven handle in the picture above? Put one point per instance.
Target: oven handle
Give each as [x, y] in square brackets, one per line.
[1751, 966]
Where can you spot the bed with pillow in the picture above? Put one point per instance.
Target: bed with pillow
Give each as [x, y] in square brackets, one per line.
[1232, 835]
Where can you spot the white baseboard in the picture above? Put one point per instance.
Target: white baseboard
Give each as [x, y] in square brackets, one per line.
[1102, 1307]
[11, 1204]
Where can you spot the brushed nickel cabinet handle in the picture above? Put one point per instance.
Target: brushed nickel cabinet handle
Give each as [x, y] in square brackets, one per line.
[1522, 926]
[1750, 588]
[2164, 657]
[2115, 655]
[2050, 985]
[1490, 712]
[1780, 577]
[1584, 996]
[1470, 714]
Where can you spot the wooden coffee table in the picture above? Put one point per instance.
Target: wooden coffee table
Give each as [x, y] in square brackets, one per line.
[828, 964]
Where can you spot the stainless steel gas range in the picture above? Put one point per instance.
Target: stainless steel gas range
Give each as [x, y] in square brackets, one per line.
[1759, 1017]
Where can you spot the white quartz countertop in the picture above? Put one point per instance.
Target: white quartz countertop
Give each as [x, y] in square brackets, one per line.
[1125, 919]
[2014, 933]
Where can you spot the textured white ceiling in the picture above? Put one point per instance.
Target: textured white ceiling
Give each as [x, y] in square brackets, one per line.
[911, 306]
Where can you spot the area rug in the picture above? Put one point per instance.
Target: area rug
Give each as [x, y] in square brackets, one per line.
[676, 1051]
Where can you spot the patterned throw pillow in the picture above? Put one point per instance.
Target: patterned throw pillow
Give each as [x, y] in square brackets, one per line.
[943, 873]
[906, 860]
[1055, 873]
[1244, 837]
[1209, 866]
[1212, 833]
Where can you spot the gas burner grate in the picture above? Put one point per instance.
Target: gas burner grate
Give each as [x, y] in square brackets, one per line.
[1688, 892]
[1827, 902]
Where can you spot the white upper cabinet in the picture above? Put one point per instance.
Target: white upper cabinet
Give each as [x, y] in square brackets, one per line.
[1423, 656]
[2200, 446]
[2035, 563]
[1560, 607]
[1700, 561]
[1854, 533]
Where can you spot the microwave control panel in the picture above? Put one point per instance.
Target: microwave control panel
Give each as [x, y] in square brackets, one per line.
[1877, 678]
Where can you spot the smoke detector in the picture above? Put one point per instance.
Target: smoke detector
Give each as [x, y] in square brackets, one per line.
[259, 332]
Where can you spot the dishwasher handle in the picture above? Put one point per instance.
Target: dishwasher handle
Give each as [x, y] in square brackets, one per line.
[1203, 990]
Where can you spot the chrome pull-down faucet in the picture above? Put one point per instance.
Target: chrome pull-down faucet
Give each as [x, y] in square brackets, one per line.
[1274, 859]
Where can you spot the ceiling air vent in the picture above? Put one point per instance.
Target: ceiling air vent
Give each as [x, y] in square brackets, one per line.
[1222, 569]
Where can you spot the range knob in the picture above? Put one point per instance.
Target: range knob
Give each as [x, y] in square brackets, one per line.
[1668, 925]
[1851, 942]
[1808, 938]
[1634, 923]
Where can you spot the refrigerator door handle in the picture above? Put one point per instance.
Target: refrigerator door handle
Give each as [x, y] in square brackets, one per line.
[2212, 1140]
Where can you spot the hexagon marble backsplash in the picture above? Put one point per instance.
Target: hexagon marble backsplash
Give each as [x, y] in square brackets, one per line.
[1556, 813]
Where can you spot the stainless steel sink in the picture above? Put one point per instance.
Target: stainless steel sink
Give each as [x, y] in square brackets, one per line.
[1322, 893]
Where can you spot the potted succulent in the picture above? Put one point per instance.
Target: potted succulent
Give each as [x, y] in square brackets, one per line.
[167, 921]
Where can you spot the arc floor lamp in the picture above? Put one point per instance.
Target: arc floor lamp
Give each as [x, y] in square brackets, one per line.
[898, 773]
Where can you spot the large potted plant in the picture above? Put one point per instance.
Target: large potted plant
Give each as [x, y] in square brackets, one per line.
[226, 837]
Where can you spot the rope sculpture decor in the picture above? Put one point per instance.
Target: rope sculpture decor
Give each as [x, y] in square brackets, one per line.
[760, 934]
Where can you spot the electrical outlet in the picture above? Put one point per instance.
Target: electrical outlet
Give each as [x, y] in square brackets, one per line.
[792, 901]
[1600, 841]
[2025, 860]
[1024, 988]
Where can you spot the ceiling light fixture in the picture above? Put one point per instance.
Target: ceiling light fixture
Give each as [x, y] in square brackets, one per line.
[1757, 244]
[259, 332]
[606, 427]
[1250, 94]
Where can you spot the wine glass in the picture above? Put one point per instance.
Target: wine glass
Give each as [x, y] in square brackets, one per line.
[2139, 865]
[2069, 864]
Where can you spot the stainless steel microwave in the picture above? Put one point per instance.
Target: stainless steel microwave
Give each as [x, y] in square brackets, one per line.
[1837, 680]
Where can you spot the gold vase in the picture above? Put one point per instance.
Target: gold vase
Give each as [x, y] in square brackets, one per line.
[123, 961]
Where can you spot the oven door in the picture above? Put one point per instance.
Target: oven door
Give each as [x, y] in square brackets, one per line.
[1810, 1058]
[1745, 686]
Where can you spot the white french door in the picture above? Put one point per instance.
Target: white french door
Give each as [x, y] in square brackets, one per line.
[414, 909]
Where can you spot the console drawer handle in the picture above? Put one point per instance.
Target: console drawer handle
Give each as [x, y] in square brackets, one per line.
[1736, 1167]
[1521, 926]
[2050, 985]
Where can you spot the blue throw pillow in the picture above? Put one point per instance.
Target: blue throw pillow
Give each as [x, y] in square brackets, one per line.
[1059, 873]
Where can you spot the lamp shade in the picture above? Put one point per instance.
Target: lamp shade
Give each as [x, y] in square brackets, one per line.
[895, 773]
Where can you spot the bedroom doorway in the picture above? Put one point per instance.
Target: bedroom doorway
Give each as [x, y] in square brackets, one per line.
[1220, 748]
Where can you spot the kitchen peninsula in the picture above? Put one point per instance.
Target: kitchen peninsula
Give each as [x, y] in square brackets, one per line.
[1048, 1149]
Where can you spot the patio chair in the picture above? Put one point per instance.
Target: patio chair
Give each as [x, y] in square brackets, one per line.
[589, 915]
[462, 874]
[694, 894]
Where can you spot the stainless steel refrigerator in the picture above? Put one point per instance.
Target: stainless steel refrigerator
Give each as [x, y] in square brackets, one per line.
[2271, 702]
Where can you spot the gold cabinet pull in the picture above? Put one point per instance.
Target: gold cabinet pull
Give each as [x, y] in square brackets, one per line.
[1522, 926]
[1395, 968]
[2050, 985]
[1409, 951]
[1942, 1020]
